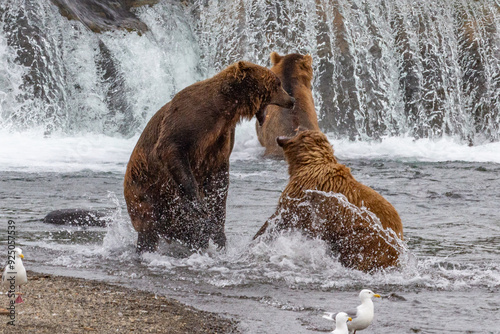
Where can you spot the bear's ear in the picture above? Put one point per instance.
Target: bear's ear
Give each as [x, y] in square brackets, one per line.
[307, 60]
[282, 140]
[240, 70]
[275, 58]
[242, 65]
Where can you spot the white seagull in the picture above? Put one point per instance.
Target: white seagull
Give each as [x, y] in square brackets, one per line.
[362, 315]
[15, 274]
[341, 320]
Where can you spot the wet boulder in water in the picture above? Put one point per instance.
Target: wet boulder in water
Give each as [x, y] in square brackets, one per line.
[78, 217]
[104, 15]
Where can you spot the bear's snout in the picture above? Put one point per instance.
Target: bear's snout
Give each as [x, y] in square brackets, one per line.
[283, 100]
[287, 102]
[291, 103]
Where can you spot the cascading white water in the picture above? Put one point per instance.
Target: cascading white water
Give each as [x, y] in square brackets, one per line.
[68, 79]
[422, 69]
[399, 67]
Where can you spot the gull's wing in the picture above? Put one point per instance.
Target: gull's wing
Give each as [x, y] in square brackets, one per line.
[352, 313]
[330, 316]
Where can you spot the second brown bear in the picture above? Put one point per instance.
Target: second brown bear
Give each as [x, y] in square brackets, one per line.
[296, 73]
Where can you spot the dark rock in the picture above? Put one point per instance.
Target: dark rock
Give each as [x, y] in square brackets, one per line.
[104, 15]
[78, 217]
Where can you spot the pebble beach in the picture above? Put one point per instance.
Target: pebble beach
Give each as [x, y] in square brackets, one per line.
[57, 304]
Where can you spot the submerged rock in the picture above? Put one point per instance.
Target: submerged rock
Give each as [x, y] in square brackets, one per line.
[78, 217]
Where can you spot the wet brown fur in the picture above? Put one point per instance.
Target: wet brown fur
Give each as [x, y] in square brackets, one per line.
[296, 73]
[313, 166]
[177, 177]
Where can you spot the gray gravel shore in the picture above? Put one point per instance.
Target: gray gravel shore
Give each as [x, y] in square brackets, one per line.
[55, 304]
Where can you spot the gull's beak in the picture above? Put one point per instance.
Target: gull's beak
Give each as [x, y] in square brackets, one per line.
[349, 319]
[377, 295]
[21, 256]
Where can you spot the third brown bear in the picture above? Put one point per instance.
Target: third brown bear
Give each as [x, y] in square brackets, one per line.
[324, 200]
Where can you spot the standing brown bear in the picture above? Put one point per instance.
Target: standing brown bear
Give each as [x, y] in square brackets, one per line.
[311, 203]
[178, 175]
[296, 73]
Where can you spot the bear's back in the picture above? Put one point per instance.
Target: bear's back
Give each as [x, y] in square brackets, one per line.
[337, 178]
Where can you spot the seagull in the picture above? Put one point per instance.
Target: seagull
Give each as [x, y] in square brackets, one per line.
[15, 273]
[362, 316]
[341, 320]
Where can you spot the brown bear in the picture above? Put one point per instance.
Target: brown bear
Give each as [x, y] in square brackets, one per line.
[177, 178]
[296, 73]
[311, 203]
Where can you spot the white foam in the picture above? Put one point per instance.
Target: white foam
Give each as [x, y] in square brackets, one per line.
[31, 151]
[298, 260]
[407, 149]
[424, 150]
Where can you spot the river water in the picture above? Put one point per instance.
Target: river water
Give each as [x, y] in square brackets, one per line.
[448, 283]
[408, 92]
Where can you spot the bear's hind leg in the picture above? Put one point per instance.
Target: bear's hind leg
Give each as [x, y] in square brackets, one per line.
[190, 231]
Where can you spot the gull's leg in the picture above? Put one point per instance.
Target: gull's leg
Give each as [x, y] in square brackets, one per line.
[19, 299]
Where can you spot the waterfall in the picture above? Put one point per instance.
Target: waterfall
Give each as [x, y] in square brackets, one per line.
[57, 75]
[416, 68]
[382, 67]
